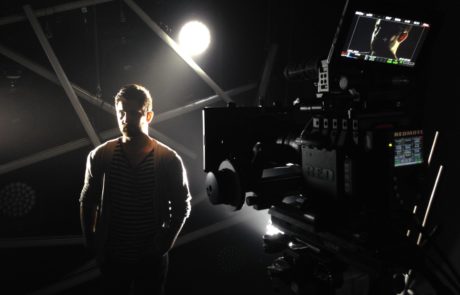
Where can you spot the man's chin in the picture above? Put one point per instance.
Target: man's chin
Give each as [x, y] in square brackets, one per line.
[130, 133]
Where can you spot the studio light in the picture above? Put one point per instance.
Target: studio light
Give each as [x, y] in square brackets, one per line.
[194, 37]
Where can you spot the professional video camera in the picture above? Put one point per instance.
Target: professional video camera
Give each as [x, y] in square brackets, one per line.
[342, 175]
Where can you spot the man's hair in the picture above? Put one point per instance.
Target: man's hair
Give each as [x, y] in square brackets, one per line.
[137, 93]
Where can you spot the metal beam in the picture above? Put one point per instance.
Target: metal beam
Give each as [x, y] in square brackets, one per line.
[433, 146]
[80, 143]
[71, 146]
[49, 153]
[40, 70]
[51, 10]
[199, 104]
[428, 208]
[62, 76]
[68, 147]
[185, 56]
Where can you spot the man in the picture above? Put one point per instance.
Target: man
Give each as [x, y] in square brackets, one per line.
[134, 201]
[387, 37]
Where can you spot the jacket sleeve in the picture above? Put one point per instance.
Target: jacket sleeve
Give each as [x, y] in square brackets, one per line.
[179, 197]
[89, 197]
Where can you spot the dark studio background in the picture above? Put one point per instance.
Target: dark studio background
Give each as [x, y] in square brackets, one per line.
[220, 251]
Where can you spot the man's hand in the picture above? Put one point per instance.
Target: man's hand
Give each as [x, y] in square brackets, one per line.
[161, 245]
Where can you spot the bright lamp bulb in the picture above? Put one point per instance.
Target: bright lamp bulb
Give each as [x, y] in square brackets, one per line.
[194, 37]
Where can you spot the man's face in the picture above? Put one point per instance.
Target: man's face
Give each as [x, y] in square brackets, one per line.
[387, 37]
[131, 117]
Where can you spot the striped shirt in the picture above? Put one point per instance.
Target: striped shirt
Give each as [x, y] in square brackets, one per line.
[133, 218]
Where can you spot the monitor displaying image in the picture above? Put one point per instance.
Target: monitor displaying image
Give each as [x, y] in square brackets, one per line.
[384, 39]
[408, 147]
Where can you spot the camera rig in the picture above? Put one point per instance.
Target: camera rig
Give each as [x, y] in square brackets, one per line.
[342, 176]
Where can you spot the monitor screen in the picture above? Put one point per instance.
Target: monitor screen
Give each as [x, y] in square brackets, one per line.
[408, 148]
[384, 39]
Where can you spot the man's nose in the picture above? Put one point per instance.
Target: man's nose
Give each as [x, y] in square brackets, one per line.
[129, 117]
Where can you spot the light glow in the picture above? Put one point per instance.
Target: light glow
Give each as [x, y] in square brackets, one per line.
[194, 37]
[272, 230]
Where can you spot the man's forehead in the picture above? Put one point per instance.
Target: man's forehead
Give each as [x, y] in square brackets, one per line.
[129, 104]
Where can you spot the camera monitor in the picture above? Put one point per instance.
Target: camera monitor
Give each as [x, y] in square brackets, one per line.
[384, 39]
[408, 148]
